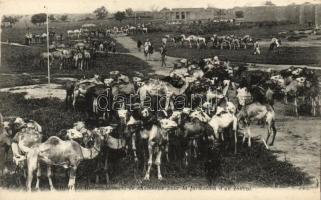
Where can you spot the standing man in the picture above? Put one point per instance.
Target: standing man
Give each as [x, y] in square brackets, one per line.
[257, 48]
[163, 55]
[147, 47]
[113, 47]
[139, 44]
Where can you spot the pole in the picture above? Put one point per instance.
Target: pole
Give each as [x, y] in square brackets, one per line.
[48, 57]
[0, 45]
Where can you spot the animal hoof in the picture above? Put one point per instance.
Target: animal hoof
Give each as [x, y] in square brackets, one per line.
[146, 178]
[160, 178]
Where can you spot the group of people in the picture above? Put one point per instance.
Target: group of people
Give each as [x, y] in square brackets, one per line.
[149, 49]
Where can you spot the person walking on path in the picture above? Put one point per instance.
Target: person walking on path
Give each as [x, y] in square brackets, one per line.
[139, 45]
[113, 47]
[257, 48]
[163, 55]
[147, 49]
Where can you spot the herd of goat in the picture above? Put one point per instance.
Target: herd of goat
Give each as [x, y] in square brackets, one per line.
[204, 105]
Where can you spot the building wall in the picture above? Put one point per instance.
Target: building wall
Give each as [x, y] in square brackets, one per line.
[263, 13]
[317, 15]
[301, 14]
[188, 14]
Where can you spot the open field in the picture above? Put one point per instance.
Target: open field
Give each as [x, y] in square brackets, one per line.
[17, 33]
[26, 59]
[293, 161]
[288, 54]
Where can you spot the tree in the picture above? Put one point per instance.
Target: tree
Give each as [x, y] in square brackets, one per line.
[239, 14]
[154, 8]
[120, 16]
[10, 19]
[129, 12]
[101, 12]
[220, 13]
[52, 18]
[164, 9]
[269, 3]
[64, 18]
[39, 18]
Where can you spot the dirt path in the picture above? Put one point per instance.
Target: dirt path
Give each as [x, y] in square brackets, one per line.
[38, 91]
[15, 44]
[155, 62]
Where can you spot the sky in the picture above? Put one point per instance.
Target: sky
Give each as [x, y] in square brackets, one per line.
[88, 6]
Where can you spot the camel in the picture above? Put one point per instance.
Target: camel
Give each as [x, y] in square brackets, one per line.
[5, 143]
[222, 121]
[80, 89]
[246, 40]
[79, 60]
[67, 154]
[163, 89]
[258, 111]
[58, 57]
[44, 58]
[86, 59]
[300, 87]
[236, 43]
[156, 136]
[192, 132]
[114, 144]
[67, 56]
[292, 90]
[23, 140]
[189, 39]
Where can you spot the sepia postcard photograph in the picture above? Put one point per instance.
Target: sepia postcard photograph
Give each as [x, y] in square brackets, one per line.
[160, 99]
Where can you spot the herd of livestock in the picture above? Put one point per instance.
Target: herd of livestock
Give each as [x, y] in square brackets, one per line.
[203, 106]
[199, 110]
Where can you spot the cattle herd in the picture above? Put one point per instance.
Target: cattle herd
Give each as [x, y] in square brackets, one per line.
[203, 105]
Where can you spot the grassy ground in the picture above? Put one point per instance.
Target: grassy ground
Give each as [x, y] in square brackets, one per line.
[26, 60]
[17, 33]
[251, 167]
[287, 55]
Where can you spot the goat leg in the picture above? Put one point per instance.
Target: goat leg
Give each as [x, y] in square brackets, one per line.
[158, 163]
[106, 170]
[38, 176]
[72, 178]
[249, 135]
[274, 132]
[49, 174]
[150, 161]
